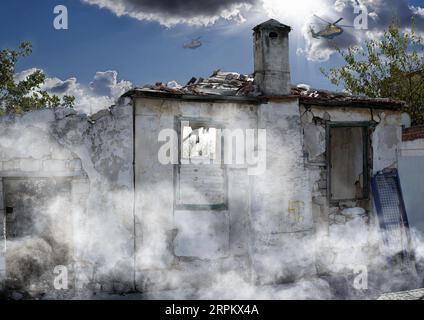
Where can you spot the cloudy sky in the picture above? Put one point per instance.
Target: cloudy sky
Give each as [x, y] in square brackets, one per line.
[112, 45]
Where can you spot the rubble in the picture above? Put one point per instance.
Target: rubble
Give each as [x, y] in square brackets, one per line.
[219, 83]
[232, 84]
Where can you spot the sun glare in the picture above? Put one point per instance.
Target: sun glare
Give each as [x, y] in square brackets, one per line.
[294, 12]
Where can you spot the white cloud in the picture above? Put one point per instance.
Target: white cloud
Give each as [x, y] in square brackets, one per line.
[106, 84]
[380, 14]
[103, 91]
[20, 76]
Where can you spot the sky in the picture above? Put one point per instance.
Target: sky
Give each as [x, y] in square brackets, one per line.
[112, 45]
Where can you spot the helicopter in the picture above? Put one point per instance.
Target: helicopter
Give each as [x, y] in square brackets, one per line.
[194, 44]
[332, 30]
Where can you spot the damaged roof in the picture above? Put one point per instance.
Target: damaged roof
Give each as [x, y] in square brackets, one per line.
[231, 86]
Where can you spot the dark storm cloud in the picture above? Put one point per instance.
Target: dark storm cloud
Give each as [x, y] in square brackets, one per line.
[184, 8]
[170, 12]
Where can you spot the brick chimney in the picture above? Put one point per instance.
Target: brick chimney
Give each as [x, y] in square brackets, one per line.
[271, 58]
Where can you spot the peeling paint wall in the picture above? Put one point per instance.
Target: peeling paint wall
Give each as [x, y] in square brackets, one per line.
[105, 244]
[333, 219]
[118, 237]
[265, 214]
[94, 157]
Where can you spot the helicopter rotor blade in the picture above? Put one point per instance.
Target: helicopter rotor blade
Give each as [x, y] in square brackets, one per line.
[338, 21]
[322, 19]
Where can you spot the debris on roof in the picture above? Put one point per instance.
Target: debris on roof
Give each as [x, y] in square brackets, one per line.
[219, 83]
[232, 84]
[310, 96]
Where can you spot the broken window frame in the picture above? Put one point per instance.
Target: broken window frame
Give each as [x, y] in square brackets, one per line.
[365, 125]
[205, 123]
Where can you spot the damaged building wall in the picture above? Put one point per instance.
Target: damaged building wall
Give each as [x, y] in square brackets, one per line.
[32, 216]
[70, 176]
[264, 216]
[104, 143]
[268, 228]
[281, 200]
[197, 236]
[336, 219]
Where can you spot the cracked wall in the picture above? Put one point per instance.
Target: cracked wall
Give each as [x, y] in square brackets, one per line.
[266, 214]
[277, 227]
[336, 220]
[93, 157]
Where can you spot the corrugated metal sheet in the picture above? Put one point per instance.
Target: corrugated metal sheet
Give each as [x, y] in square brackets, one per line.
[392, 217]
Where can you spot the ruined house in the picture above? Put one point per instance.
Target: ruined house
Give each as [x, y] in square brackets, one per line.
[89, 192]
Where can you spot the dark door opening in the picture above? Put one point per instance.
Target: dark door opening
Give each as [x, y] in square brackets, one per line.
[38, 229]
[347, 152]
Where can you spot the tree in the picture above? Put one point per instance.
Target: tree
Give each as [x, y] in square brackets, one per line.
[390, 67]
[25, 95]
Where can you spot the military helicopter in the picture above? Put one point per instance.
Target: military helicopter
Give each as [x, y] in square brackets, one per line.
[332, 29]
[193, 44]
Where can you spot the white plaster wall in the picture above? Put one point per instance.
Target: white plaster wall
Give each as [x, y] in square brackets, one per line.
[411, 173]
[412, 148]
[27, 150]
[165, 235]
[387, 140]
[96, 153]
[338, 230]
[266, 213]
[104, 231]
[281, 198]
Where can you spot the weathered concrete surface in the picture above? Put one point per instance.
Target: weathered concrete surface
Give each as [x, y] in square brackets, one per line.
[271, 59]
[231, 287]
[281, 202]
[168, 239]
[276, 227]
[267, 217]
[86, 226]
[347, 231]
[202, 234]
[105, 238]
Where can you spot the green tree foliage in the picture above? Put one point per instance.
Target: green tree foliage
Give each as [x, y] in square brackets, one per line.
[26, 95]
[390, 67]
